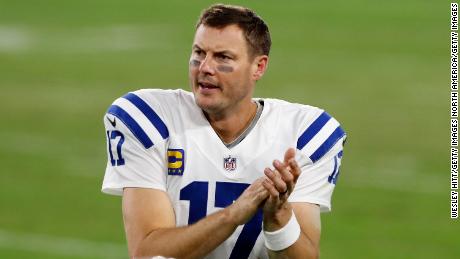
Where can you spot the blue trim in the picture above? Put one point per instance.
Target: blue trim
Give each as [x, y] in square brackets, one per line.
[112, 161]
[131, 124]
[328, 144]
[149, 113]
[336, 177]
[312, 130]
[340, 154]
[332, 178]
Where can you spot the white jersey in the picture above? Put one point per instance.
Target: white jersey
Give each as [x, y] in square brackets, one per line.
[160, 139]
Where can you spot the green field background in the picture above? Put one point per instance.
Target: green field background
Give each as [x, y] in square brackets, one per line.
[380, 67]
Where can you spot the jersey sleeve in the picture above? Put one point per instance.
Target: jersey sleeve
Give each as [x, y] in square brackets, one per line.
[136, 136]
[319, 154]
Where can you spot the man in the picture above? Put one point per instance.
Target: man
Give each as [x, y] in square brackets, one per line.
[199, 172]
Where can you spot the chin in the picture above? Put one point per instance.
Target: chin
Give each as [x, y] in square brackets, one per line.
[207, 104]
[204, 103]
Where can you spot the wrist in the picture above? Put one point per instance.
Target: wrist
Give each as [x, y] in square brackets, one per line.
[284, 237]
[230, 216]
[274, 220]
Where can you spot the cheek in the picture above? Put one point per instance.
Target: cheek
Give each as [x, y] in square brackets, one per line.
[237, 81]
[193, 67]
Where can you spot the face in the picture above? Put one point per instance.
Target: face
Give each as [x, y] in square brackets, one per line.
[222, 75]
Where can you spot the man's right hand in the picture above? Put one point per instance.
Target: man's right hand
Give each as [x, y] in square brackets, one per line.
[253, 198]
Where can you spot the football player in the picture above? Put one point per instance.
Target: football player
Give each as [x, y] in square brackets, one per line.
[214, 172]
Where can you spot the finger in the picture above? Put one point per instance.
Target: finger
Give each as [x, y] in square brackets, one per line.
[290, 154]
[262, 194]
[295, 169]
[270, 188]
[258, 182]
[268, 179]
[274, 177]
[260, 186]
[257, 191]
[285, 174]
[279, 184]
[283, 170]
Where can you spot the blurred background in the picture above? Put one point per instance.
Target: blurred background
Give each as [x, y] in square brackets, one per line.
[380, 67]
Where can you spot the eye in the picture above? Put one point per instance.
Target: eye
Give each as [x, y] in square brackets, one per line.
[198, 52]
[224, 57]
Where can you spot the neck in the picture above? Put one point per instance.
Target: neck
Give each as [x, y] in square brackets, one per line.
[231, 124]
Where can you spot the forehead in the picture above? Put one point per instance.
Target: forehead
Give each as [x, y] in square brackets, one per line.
[229, 38]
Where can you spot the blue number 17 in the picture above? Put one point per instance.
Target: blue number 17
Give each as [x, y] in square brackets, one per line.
[226, 193]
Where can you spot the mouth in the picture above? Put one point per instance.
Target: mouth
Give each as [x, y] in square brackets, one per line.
[207, 85]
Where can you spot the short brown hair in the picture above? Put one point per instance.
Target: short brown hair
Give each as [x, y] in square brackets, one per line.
[254, 28]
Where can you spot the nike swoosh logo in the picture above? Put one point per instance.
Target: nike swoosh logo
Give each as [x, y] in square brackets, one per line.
[114, 122]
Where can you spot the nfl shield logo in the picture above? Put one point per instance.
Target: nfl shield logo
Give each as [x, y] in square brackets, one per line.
[230, 163]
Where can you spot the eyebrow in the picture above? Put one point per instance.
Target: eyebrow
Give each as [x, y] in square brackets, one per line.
[225, 52]
[195, 46]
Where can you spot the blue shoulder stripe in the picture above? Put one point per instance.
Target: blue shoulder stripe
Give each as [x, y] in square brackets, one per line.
[131, 124]
[328, 144]
[149, 113]
[312, 130]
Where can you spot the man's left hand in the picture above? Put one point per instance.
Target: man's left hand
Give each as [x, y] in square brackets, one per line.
[280, 184]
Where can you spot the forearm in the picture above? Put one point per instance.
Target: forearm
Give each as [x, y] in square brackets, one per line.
[151, 230]
[190, 241]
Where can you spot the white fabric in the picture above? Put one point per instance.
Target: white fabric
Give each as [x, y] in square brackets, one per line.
[278, 128]
[283, 237]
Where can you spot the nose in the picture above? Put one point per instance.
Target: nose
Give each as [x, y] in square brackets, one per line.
[206, 66]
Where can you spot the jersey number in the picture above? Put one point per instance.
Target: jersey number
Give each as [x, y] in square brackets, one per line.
[226, 193]
[335, 173]
[112, 136]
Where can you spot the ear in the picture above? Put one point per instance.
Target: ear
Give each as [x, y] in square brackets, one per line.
[260, 65]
